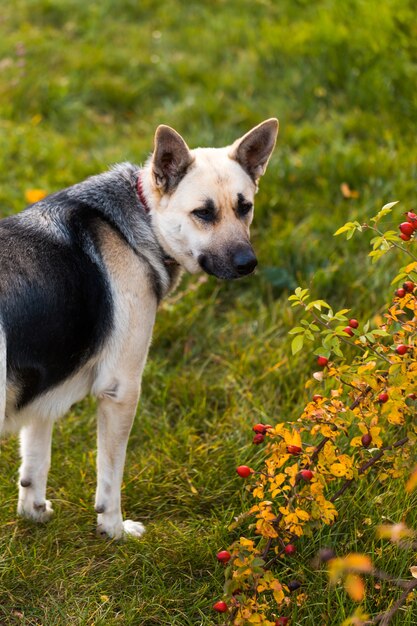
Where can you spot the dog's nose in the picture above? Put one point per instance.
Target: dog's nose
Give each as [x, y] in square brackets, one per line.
[244, 261]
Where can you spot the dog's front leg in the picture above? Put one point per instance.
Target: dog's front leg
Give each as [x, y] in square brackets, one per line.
[35, 449]
[115, 417]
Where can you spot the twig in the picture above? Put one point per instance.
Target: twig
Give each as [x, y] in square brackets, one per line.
[384, 618]
[367, 465]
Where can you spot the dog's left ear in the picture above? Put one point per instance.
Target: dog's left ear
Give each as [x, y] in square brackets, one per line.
[252, 151]
[171, 158]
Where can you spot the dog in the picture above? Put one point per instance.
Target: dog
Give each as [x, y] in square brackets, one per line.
[82, 272]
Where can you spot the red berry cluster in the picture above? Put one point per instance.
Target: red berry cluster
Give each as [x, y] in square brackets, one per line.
[407, 228]
[408, 287]
[260, 431]
[349, 329]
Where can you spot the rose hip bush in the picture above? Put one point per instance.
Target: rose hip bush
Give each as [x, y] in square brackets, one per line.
[363, 398]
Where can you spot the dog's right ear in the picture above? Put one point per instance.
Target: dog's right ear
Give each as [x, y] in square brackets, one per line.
[252, 151]
[171, 158]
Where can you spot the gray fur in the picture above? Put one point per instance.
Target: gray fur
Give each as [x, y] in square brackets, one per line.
[3, 375]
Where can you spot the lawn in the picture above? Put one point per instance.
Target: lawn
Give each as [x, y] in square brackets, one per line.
[83, 85]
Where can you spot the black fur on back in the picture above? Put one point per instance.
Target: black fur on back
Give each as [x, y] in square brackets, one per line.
[55, 296]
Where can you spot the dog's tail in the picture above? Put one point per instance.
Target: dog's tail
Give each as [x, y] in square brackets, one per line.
[3, 375]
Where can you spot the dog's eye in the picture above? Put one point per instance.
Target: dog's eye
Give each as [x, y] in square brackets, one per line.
[205, 214]
[244, 209]
[243, 206]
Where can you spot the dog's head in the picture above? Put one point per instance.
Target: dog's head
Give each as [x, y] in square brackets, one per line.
[202, 199]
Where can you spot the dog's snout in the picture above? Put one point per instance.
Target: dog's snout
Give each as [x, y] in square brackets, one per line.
[244, 261]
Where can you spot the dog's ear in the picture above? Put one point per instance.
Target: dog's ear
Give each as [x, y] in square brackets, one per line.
[171, 158]
[252, 151]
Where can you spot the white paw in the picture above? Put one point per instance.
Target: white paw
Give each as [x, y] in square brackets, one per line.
[115, 528]
[37, 512]
[133, 529]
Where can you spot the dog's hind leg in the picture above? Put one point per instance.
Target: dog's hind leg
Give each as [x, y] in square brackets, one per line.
[3, 376]
[35, 449]
[115, 418]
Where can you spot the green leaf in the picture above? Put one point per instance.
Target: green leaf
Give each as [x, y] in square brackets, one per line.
[296, 330]
[389, 206]
[384, 211]
[297, 344]
[309, 335]
[317, 304]
[344, 228]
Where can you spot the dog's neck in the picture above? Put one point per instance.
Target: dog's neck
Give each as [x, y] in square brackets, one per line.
[148, 198]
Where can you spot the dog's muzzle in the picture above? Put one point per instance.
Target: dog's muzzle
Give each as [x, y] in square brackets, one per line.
[239, 262]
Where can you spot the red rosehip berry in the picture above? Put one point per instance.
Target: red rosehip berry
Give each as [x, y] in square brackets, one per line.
[306, 475]
[244, 471]
[348, 331]
[322, 361]
[290, 548]
[223, 556]
[293, 450]
[220, 606]
[401, 349]
[411, 217]
[258, 438]
[353, 323]
[366, 440]
[408, 286]
[260, 429]
[282, 621]
[407, 228]
[317, 397]
[412, 396]
[400, 292]
[405, 237]
[383, 397]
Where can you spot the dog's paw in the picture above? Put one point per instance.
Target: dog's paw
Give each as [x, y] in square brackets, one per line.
[117, 529]
[133, 529]
[35, 511]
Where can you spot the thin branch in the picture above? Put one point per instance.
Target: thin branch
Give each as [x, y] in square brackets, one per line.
[367, 465]
[384, 618]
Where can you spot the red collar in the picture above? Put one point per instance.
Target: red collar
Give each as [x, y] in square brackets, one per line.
[141, 195]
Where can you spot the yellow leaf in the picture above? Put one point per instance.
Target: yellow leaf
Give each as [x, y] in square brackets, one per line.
[34, 195]
[367, 367]
[412, 481]
[292, 438]
[302, 515]
[409, 268]
[355, 587]
[338, 469]
[358, 562]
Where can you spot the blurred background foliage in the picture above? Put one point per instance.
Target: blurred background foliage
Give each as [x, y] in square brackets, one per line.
[84, 85]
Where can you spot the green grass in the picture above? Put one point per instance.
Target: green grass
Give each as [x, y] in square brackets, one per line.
[83, 85]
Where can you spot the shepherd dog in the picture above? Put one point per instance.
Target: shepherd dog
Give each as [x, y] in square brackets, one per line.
[82, 273]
